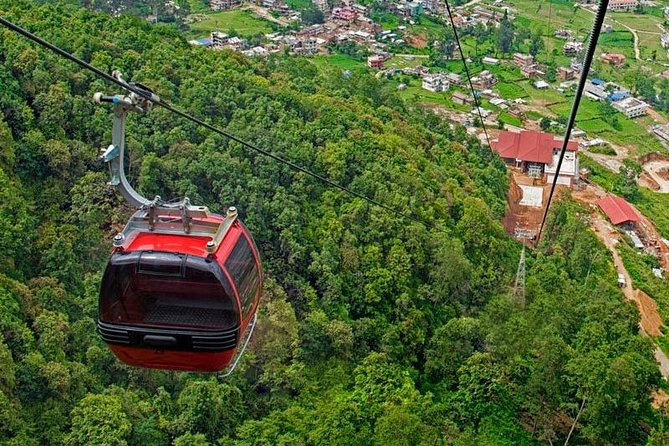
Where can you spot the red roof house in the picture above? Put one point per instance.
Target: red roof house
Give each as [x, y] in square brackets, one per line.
[537, 155]
[529, 146]
[617, 210]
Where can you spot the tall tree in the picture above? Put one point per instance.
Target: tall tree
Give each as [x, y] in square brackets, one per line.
[505, 34]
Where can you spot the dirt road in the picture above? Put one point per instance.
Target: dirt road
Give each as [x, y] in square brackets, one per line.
[263, 13]
[656, 116]
[651, 321]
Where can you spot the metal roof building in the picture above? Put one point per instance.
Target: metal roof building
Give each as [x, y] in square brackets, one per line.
[618, 210]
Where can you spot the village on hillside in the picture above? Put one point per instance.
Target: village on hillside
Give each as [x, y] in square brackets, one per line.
[523, 77]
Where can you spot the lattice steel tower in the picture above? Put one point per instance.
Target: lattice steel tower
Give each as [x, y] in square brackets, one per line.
[519, 285]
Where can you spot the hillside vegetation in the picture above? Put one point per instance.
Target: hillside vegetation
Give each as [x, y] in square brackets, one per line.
[373, 329]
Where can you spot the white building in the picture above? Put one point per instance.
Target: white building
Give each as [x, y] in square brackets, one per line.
[219, 38]
[435, 83]
[497, 102]
[596, 90]
[572, 48]
[310, 45]
[222, 5]
[632, 107]
[622, 5]
[454, 78]
[256, 51]
[568, 171]
[483, 111]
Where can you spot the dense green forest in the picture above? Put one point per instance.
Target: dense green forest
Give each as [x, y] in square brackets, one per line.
[373, 329]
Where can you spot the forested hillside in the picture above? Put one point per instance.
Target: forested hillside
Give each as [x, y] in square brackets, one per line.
[373, 329]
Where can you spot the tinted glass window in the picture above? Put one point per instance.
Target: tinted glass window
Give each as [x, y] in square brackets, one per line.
[153, 292]
[242, 268]
[161, 263]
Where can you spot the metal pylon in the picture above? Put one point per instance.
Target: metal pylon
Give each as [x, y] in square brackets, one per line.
[519, 286]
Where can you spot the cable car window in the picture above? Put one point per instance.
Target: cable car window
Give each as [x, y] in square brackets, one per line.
[244, 272]
[161, 263]
[198, 297]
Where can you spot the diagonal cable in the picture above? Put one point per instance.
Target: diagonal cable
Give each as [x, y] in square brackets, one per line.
[587, 62]
[154, 99]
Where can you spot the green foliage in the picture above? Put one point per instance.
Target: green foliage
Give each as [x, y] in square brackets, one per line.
[505, 34]
[372, 329]
[311, 16]
[99, 420]
[603, 150]
[207, 407]
[189, 439]
[451, 345]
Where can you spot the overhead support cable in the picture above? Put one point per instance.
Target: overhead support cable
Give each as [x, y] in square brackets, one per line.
[156, 100]
[469, 78]
[587, 62]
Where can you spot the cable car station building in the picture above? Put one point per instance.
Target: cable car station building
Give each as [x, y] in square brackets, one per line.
[537, 155]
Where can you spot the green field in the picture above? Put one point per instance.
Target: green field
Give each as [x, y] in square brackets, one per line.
[238, 20]
[428, 27]
[415, 94]
[342, 61]
[509, 119]
[546, 16]
[400, 62]
[650, 47]
[632, 133]
[197, 6]
[386, 20]
[587, 110]
[594, 126]
[510, 90]
[640, 22]
[299, 4]
[616, 39]
[648, 30]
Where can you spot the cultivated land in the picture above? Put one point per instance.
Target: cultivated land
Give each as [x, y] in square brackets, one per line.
[240, 21]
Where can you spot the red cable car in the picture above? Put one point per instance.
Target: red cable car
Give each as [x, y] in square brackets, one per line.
[181, 289]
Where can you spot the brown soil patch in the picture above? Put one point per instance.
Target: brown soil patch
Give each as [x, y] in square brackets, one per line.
[653, 156]
[661, 400]
[651, 321]
[653, 240]
[518, 216]
[417, 41]
[645, 180]
[664, 173]
[656, 116]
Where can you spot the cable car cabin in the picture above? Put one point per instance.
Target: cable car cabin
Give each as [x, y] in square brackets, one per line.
[179, 294]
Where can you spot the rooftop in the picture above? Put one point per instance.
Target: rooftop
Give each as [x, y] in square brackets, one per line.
[531, 146]
[629, 103]
[617, 209]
